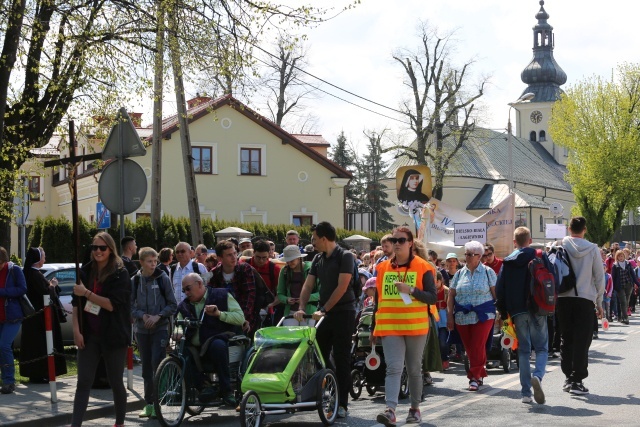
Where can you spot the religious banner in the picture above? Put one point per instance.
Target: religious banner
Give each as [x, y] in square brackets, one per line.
[438, 219]
[413, 187]
[500, 225]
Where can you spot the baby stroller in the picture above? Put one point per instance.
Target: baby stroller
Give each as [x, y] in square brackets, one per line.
[361, 375]
[287, 374]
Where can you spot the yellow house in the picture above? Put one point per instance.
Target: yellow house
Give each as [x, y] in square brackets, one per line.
[247, 168]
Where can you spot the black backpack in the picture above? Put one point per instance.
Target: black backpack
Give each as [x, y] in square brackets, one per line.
[355, 284]
[569, 281]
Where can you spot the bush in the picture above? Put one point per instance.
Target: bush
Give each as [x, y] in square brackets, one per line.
[54, 234]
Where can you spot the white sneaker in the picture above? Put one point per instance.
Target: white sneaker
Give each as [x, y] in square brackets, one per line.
[538, 393]
[526, 399]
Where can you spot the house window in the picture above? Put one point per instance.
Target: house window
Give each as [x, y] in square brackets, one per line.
[202, 159]
[302, 220]
[250, 161]
[142, 215]
[532, 135]
[34, 188]
[543, 136]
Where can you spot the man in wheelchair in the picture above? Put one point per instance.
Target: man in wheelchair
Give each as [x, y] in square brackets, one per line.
[221, 315]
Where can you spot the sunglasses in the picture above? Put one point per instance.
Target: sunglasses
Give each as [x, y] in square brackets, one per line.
[102, 248]
[470, 255]
[181, 251]
[401, 240]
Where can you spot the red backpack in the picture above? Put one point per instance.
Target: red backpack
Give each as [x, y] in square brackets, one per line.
[542, 287]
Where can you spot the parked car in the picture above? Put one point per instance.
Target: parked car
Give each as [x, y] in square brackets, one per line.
[66, 275]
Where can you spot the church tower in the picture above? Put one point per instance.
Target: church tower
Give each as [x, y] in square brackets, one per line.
[544, 77]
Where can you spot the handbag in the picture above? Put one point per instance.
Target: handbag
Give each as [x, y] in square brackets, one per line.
[27, 307]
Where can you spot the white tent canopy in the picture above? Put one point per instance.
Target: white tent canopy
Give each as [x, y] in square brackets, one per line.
[232, 232]
[358, 242]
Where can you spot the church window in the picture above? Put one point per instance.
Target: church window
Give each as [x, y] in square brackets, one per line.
[543, 136]
[532, 136]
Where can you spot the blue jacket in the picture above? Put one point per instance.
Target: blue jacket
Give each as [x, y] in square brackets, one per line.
[512, 287]
[15, 287]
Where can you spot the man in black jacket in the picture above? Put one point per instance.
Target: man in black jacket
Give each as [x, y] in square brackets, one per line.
[512, 290]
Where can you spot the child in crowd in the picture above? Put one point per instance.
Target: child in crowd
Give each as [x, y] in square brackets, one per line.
[369, 290]
[442, 294]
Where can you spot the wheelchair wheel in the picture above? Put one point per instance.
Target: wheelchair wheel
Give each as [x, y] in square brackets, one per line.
[356, 384]
[404, 384]
[250, 410]
[505, 360]
[327, 395]
[170, 396]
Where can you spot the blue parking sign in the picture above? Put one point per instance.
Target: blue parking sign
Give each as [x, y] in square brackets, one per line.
[103, 216]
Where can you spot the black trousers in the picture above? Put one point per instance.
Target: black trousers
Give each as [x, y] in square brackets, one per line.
[576, 325]
[335, 334]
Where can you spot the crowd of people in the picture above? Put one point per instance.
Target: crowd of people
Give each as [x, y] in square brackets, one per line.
[417, 299]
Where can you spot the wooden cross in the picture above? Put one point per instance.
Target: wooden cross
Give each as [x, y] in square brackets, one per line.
[71, 165]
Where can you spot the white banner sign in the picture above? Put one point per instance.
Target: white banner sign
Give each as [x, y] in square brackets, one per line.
[555, 231]
[464, 232]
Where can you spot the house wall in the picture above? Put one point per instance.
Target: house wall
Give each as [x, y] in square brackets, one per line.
[292, 183]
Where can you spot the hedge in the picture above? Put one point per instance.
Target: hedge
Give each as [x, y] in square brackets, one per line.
[55, 235]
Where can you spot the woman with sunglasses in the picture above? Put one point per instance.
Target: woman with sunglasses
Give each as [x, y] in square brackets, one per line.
[405, 286]
[101, 324]
[472, 292]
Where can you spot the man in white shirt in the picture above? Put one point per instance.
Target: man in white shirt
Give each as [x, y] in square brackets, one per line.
[184, 266]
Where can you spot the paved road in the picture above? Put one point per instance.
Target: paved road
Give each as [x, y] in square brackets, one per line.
[614, 399]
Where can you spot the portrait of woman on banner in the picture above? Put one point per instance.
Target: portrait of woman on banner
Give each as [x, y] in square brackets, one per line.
[411, 188]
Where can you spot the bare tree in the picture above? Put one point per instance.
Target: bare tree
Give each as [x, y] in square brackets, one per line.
[286, 84]
[441, 110]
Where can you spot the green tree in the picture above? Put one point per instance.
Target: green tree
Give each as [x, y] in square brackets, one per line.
[441, 107]
[374, 171]
[599, 122]
[345, 156]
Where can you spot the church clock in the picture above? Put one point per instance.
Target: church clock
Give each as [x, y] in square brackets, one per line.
[536, 116]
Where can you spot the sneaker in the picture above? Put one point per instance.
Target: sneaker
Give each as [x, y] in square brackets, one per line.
[445, 365]
[526, 399]
[8, 388]
[146, 412]
[414, 416]
[567, 385]
[538, 393]
[595, 335]
[427, 380]
[387, 418]
[229, 399]
[578, 388]
[342, 412]
[473, 385]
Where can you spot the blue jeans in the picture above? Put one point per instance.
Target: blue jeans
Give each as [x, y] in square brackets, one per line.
[153, 348]
[531, 331]
[8, 332]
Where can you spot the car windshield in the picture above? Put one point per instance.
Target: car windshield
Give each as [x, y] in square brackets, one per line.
[66, 279]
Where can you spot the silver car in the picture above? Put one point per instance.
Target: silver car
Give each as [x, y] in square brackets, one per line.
[66, 275]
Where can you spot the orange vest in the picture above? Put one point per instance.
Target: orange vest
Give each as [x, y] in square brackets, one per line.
[393, 316]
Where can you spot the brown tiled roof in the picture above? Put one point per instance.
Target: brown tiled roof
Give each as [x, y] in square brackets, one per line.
[170, 125]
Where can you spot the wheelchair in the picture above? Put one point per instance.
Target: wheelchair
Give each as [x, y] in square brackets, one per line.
[175, 393]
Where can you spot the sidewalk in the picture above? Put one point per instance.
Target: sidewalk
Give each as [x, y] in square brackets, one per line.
[31, 405]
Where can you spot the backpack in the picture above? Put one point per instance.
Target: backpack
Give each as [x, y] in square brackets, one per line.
[542, 287]
[194, 267]
[566, 281]
[355, 284]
